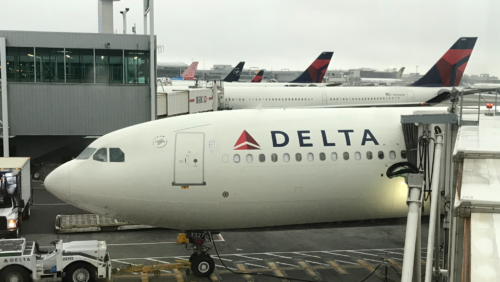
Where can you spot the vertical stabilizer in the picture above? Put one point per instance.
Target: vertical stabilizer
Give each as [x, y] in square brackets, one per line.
[400, 72]
[316, 71]
[448, 71]
[258, 76]
[234, 74]
[189, 73]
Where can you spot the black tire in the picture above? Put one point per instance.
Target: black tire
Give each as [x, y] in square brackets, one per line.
[80, 272]
[195, 254]
[36, 175]
[203, 265]
[27, 211]
[15, 273]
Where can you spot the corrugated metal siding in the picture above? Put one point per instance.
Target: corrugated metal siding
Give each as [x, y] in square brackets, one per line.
[75, 40]
[75, 109]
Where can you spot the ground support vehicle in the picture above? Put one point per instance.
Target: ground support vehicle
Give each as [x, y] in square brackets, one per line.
[16, 194]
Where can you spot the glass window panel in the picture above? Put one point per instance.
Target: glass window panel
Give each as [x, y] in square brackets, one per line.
[346, 156]
[392, 155]
[334, 156]
[101, 155]
[79, 66]
[86, 153]
[298, 157]
[369, 155]
[109, 66]
[310, 157]
[262, 158]
[249, 158]
[286, 157]
[136, 67]
[20, 64]
[381, 155]
[116, 155]
[357, 156]
[274, 157]
[403, 154]
[322, 156]
[101, 66]
[236, 158]
[49, 65]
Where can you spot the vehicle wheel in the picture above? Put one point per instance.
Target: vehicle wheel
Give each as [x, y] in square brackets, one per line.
[202, 265]
[195, 254]
[27, 212]
[36, 176]
[15, 273]
[80, 272]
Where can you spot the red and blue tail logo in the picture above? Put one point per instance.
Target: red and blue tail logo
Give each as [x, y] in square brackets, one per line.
[448, 71]
[317, 70]
[246, 142]
[258, 76]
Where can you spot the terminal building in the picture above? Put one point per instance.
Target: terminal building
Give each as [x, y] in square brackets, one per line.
[66, 88]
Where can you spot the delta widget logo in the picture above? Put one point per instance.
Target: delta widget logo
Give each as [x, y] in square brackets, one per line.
[246, 142]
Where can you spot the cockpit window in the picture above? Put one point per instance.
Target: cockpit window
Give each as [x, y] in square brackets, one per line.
[86, 154]
[101, 155]
[116, 155]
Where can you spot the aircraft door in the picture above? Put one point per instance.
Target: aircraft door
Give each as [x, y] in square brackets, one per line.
[189, 159]
[410, 96]
[324, 99]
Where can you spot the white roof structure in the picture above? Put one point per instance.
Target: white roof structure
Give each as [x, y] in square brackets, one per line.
[13, 163]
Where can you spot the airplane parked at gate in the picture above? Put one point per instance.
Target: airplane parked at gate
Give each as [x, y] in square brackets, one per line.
[243, 169]
[235, 73]
[434, 87]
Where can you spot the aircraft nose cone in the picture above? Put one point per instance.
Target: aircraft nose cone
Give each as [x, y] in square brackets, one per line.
[57, 182]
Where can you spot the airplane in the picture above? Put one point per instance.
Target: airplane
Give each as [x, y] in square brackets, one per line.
[247, 169]
[234, 74]
[188, 74]
[311, 77]
[434, 87]
[384, 80]
[258, 77]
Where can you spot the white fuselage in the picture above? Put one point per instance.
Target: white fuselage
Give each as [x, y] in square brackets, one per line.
[195, 172]
[248, 97]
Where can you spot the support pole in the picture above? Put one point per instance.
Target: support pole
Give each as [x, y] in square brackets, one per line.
[5, 106]
[152, 59]
[434, 207]
[414, 201]
[145, 17]
[215, 97]
[417, 264]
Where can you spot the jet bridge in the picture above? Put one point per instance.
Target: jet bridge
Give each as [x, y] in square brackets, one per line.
[454, 159]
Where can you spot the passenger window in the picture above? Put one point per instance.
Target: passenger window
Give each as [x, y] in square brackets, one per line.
[357, 156]
[298, 157]
[86, 154]
[392, 155]
[116, 155]
[249, 158]
[381, 155]
[403, 154]
[369, 155]
[334, 156]
[101, 155]
[262, 158]
[236, 158]
[346, 156]
[322, 156]
[274, 157]
[310, 157]
[286, 157]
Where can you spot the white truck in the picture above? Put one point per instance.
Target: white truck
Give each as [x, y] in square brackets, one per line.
[79, 261]
[16, 194]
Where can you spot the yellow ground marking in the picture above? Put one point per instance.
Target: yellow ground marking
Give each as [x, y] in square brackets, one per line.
[393, 262]
[242, 268]
[337, 267]
[276, 270]
[366, 265]
[308, 269]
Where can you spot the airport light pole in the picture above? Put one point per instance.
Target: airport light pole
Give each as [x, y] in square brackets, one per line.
[124, 14]
[416, 70]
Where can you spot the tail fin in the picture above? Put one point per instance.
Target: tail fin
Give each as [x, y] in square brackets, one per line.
[448, 71]
[188, 74]
[400, 72]
[234, 75]
[258, 76]
[316, 71]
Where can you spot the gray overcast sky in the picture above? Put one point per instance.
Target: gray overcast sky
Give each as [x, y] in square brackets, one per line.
[276, 34]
